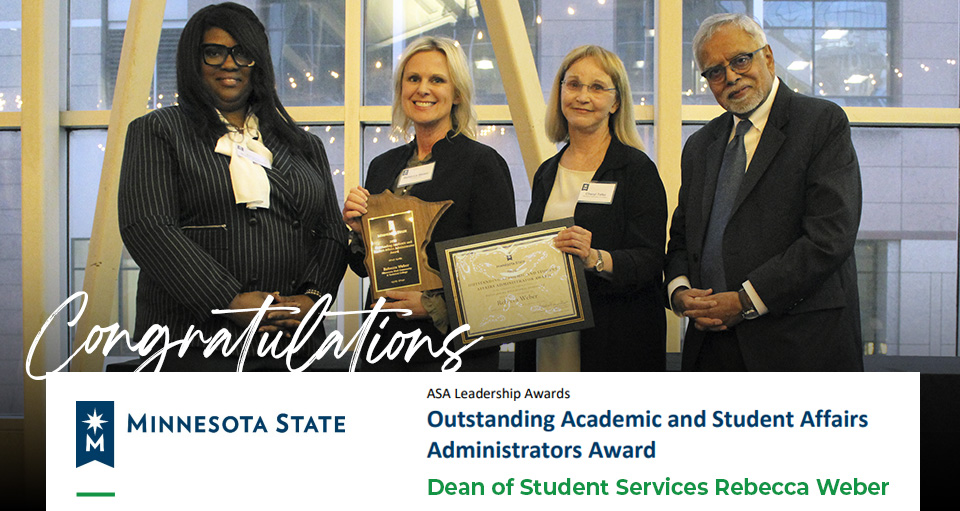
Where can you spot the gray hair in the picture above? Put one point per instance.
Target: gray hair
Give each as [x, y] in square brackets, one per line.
[715, 22]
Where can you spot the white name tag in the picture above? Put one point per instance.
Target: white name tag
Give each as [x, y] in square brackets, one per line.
[414, 175]
[243, 152]
[597, 192]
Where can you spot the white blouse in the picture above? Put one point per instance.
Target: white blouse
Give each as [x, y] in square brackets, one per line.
[561, 352]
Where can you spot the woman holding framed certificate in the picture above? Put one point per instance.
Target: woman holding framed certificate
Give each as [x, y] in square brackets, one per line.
[613, 191]
[433, 93]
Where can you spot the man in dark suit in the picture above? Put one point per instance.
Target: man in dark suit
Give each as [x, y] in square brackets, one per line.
[761, 256]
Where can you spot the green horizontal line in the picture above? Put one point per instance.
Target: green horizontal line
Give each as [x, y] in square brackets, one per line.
[96, 494]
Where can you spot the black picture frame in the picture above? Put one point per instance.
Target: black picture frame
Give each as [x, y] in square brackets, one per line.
[465, 302]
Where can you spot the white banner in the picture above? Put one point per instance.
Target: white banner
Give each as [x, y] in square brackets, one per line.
[483, 441]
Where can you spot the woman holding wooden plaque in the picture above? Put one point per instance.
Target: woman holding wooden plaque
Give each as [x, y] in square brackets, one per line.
[433, 93]
[604, 180]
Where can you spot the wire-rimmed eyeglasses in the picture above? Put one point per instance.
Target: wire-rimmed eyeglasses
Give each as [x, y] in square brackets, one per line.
[575, 86]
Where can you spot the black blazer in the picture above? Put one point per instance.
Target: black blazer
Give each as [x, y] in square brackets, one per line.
[791, 234]
[197, 249]
[630, 325]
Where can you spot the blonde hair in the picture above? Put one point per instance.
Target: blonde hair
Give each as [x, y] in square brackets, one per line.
[462, 115]
[622, 122]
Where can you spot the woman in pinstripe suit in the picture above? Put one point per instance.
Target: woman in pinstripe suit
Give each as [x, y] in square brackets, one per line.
[433, 92]
[224, 200]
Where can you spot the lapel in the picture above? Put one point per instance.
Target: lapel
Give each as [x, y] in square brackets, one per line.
[441, 146]
[447, 144]
[713, 159]
[770, 142]
[399, 165]
[280, 173]
[614, 158]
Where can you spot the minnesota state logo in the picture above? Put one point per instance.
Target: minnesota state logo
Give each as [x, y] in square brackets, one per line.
[95, 432]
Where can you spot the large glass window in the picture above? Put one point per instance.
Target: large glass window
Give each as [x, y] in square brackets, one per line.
[306, 40]
[624, 27]
[11, 271]
[389, 25]
[10, 98]
[553, 28]
[863, 53]
[907, 253]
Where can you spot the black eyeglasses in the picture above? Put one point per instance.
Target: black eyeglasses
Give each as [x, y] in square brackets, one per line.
[216, 55]
[739, 64]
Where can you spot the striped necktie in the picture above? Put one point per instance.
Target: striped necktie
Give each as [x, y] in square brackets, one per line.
[732, 169]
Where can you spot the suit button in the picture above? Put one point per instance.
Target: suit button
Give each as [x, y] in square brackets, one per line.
[253, 220]
[293, 284]
[255, 280]
[295, 224]
[696, 258]
[315, 233]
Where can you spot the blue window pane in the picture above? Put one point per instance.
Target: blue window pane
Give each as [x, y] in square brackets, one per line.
[851, 14]
[787, 14]
[11, 271]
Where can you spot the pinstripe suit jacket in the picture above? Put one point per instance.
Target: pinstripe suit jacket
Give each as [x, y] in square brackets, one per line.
[197, 249]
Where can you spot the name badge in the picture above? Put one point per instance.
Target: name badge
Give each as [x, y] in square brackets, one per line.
[414, 175]
[597, 192]
[243, 152]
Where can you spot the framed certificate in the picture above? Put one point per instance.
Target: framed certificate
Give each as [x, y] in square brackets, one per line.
[513, 285]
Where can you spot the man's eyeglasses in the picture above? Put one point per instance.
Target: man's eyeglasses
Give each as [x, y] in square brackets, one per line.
[216, 55]
[574, 87]
[739, 64]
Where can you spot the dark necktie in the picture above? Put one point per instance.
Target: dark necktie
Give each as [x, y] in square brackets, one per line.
[728, 184]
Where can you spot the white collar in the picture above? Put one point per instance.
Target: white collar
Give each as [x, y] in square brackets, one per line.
[761, 115]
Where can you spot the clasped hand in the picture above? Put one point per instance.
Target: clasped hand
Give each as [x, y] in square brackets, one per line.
[274, 320]
[709, 311]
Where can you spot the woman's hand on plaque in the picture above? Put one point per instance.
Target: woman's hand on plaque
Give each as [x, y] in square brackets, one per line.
[355, 206]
